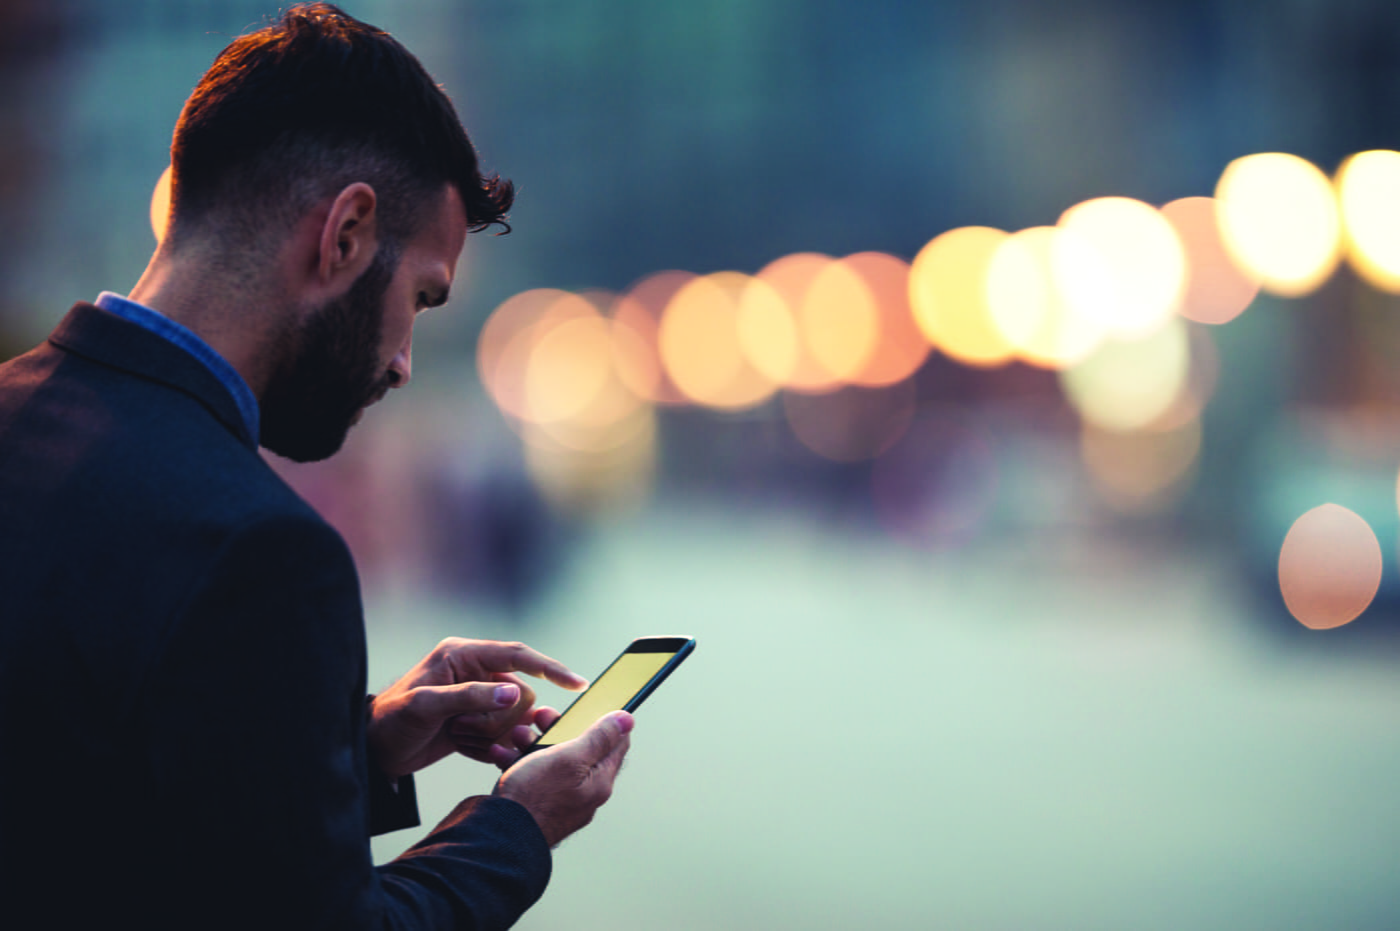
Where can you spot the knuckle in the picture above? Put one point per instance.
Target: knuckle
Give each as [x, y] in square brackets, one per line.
[603, 792]
[448, 645]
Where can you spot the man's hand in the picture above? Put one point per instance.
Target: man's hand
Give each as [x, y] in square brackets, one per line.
[564, 785]
[463, 697]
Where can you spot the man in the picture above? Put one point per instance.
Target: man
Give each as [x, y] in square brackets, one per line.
[186, 737]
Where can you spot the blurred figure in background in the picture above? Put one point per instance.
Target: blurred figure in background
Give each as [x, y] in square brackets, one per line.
[182, 656]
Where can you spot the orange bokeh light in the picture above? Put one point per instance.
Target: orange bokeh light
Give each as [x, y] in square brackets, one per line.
[1329, 568]
[160, 205]
[792, 277]
[701, 344]
[640, 309]
[901, 348]
[1217, 289]
[839, 324]
[507, 339]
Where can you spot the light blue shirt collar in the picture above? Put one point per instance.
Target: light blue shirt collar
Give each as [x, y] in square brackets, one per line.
[185, 338]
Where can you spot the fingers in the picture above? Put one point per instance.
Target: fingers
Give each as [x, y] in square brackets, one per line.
[513, 745]
[476, 715]
[501, 757]
[505, 749]
[544, 717]
[511, 657]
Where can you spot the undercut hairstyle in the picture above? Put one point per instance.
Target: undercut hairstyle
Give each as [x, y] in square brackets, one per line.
[293, 113]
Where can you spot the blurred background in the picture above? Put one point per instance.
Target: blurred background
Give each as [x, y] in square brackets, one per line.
[1006, 395]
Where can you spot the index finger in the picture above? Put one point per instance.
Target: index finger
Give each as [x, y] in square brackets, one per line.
[517, 657]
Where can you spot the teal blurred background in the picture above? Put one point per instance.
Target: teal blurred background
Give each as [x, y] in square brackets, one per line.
[964, 683]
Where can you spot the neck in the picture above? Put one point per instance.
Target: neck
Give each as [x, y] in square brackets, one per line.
[230, 313]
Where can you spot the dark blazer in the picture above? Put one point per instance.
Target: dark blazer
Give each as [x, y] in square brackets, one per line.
[182, 674]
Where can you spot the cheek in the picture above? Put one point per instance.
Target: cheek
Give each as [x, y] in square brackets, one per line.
[397, 331]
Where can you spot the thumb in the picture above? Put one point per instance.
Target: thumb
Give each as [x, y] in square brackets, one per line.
[605, 737]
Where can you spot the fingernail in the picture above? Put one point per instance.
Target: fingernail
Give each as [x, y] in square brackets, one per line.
[625, 722]
[507, 694]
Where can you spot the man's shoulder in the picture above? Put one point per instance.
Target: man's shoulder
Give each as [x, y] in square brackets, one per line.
[103, 451]
[94, 356]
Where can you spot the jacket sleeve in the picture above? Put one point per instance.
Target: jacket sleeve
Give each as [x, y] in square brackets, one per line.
[393, 803]
[257, 729]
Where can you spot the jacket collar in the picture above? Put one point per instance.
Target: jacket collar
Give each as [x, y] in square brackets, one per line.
[95, 334]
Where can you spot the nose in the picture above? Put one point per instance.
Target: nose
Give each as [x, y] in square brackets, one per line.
[401, 367]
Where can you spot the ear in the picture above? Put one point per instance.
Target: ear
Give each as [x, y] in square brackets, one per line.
[349, 237]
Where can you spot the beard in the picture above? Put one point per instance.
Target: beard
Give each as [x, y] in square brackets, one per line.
[333, 373]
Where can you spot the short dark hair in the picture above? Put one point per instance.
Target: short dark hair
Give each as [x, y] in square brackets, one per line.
[294, 112]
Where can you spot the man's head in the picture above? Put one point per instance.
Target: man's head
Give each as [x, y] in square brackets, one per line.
[293, 113]
[319, 149]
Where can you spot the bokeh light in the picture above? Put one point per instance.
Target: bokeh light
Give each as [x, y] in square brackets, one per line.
[606, 415]
[568, 367]
[838, 321]
[701, 346]
[852, 423]
[769, 336]
[635, 361]
[1028, 303]
[552, 360]
[508, 339]
[1368, 187]
[1128, 384]
[1103, 298]
[640, 309]
[901, 347]
[1279, 221]
[1329, 567]
[1142, 258]
[948, 296]
[1217, 289]
[563, 374]
[793, 277]
[160, 205]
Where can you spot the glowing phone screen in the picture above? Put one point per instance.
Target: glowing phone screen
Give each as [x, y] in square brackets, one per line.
[608, 692]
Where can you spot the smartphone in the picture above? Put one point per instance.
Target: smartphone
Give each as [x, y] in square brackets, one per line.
[624, 685]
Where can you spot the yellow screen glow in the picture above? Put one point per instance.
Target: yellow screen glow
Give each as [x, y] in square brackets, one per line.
[609, 692]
